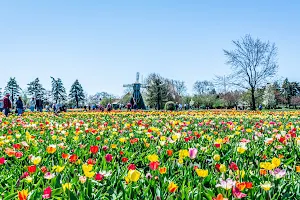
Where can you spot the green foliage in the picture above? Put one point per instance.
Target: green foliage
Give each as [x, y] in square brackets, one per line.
[76, 93]
[12, 88]
[35, 89]
[58, 90]
[158, 91]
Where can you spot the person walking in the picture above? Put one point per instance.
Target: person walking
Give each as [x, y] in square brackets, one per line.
[20, 106]
[39, 105]
[32, 104]
[6, 104]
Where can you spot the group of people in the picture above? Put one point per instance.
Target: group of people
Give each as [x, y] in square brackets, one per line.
[7, 105]
[20, 107]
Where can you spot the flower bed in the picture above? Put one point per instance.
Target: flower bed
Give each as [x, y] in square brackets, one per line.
[150, 155]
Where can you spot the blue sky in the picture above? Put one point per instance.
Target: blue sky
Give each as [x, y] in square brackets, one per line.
[104, 43]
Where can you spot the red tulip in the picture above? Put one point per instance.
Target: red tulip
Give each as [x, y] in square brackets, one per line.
[217, 166]
[2, 161]
[233, 166]
[44, 169]
[94, 149]
[18, 154]
[108, 157]
[91, 161]
[99, 177]
[124, 160]
[249, 185]
[154, 165]
[17, 146]
[73, 158]
[131, 167]
[31, 169]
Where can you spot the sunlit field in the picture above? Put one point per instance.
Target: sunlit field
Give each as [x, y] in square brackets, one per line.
[151, 155]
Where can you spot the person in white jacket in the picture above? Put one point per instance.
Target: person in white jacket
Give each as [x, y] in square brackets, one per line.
[32, 104]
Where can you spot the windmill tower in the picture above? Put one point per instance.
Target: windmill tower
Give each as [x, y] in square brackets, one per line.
[137, 96]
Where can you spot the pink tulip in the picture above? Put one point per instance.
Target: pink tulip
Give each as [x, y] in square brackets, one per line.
[47, 193]
[108, 157]
[237, 193]
[193, 153]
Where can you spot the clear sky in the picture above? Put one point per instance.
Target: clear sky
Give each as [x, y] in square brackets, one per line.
[104, 43]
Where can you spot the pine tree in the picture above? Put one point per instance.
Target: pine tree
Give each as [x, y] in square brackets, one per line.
[76, 93]
[58, 90]
[36, 89]
[12, 88]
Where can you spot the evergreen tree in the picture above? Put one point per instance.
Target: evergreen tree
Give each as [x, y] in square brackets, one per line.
[269, 96]
[76, 93]
[36, 89]
[157, 91]
[13, 89]
[58, 90]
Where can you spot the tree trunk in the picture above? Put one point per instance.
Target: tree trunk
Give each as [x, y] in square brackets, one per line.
[77, 103]
[12, 98]
[253, 98]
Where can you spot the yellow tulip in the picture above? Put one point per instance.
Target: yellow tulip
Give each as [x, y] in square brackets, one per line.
[241, 150]
[202, 173]
[266, 186]
[217, 157]
[222, 168]
[153, 158]
[58, 169]
[87, 168]
[276, 162]
[89, 174]
[133, 175]
[36, 160]
[67, 186]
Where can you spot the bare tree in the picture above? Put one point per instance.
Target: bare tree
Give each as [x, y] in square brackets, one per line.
[253, 62]
[180, 87]
[223, 83]
[203, 87]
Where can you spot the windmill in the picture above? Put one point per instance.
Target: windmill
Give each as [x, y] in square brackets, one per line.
[137, 96]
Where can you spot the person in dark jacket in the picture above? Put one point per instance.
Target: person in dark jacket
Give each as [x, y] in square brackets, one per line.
[20, 106]
[6, 104]
[39, 105]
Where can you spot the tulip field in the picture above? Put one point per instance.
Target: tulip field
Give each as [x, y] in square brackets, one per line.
[151, 155]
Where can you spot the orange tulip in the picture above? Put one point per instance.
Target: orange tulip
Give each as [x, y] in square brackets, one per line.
[23, 195]
[65, 155]
[262, 172]
[169, 152]
[51, 149]
[172, 187]
[298, 169]
[241, 186]
[162, 170]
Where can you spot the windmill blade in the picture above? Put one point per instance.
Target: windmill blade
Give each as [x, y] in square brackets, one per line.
[128, 85]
